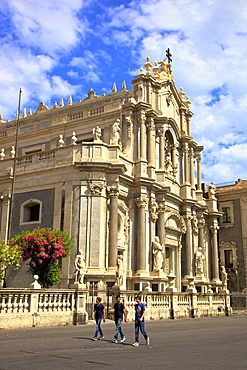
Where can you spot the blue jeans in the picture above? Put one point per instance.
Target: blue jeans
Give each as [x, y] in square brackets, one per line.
[98, 327]
[119, 329]
[139, 325]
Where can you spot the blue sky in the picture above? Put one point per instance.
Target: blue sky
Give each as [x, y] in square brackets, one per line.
[53, 49]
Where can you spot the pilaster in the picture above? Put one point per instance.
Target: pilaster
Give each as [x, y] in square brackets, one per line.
[215, 257]
[161, 149]
[113, 227]
[188, 246]
[141, 242]
[151, 147]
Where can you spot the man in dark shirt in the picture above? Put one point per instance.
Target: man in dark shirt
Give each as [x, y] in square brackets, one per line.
[98, 314]
[119, 313]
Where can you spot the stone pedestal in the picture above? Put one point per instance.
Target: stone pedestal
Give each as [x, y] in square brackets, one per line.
[78, 286]
[171, 282]
[118, 288]
[35, 284]
[81, 315]
[191, 285]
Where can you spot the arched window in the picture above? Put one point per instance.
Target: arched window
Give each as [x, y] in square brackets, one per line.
[31, 212]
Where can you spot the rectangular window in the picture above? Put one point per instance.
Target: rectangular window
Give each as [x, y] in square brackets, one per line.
[226, 215]
[228, 258]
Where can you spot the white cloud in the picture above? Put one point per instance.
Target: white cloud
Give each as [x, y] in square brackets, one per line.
[38, 33]
[49, 26]
[21, 69]
[226, 164]
[208, 40]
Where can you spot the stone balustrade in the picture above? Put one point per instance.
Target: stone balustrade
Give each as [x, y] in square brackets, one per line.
[64, 156]
[32, 307]
[174, 305]
[29, 307]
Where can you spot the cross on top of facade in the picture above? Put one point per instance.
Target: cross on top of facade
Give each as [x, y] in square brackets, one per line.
[169, 55]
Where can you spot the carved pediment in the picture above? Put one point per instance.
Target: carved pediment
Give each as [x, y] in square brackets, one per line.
[42, 108]
[175, 222]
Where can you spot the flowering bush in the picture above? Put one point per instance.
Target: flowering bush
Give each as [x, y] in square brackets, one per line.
[9, 256]
[44, 248]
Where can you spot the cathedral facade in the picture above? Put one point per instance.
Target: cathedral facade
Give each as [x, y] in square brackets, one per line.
[121, 173]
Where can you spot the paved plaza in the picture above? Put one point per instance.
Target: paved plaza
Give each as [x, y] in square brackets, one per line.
[200, 343]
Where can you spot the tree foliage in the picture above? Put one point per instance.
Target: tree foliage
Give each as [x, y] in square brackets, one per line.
[9, 256]
[44, 249]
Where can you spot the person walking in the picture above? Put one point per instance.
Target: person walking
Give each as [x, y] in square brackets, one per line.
[98, 314]
[119, 313]
[139, 321]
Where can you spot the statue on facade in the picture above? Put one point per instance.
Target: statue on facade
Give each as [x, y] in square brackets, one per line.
[153, 210]
[116, 132]
[199, 262]
[211, 191]
[148, 287]
[158, 254]
[97, 133]
[119, 271]
[224, 278]
[80, 267]
[168, 163]
[194, 224]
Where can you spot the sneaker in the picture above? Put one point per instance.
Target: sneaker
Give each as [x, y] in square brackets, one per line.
[101, 337]
[136, 344]
[94, 338]
[123, 339]
[114, 341]
[147, 341]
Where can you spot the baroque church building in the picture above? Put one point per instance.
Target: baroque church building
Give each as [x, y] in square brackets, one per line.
[121, 173]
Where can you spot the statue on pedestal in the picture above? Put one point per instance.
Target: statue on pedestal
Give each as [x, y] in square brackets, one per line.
[116, 131]
[224, 278]
[158, 254]
[97, 133]
[148, 287]
[119, 271]
[80, 266]
[199, 262]
[211, 191]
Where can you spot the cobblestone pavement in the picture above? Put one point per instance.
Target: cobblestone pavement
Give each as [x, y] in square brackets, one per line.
[205, 343]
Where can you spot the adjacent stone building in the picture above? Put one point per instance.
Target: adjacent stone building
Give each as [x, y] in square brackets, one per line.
[118, 173]
[232, 202]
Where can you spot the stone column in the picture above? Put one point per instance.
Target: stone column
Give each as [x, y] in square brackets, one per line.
[201, 224]
[186, 163]
[215, 256]
[143, 153]
[199, 178]
[183, 120]
[161, 228]
[161, 222]
[192, 178]
[141, 242]
[188, 118]
[113, 227]
[188, 246]
[151, 141]
[161, 149]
